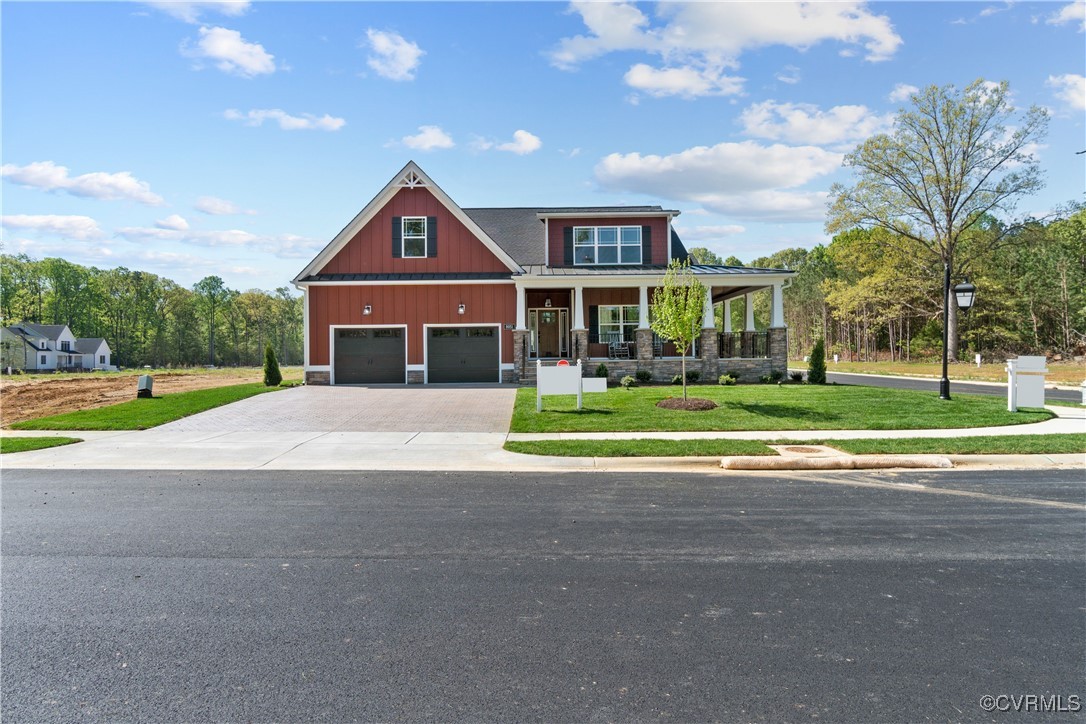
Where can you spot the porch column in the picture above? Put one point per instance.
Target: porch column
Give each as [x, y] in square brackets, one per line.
[522, 303]
[578, 307]
[707, 317]
[728, 316]
[643, 314]
[778, 306]
[750, 311]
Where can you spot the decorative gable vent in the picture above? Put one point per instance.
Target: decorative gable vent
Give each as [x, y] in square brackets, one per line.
[412, 180]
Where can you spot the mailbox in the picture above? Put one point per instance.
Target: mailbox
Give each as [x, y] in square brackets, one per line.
[143, 389]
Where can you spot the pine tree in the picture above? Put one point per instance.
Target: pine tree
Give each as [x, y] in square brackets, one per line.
[816, 372]
[272, 375]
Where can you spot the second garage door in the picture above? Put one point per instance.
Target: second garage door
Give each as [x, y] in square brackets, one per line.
[462, 354]
[370, 356]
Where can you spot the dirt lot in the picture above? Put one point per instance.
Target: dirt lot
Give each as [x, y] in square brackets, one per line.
[31, 396]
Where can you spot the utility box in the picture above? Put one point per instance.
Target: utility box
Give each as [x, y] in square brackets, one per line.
[1026, 382]
[143, 389]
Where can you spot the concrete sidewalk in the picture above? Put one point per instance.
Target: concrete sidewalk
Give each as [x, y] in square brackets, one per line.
[166, 449]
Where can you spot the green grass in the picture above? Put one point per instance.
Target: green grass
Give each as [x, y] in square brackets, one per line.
[765, 407]
[24, 444]
[642, 448]
[989, 445]
[1065, 403]
[145, 413]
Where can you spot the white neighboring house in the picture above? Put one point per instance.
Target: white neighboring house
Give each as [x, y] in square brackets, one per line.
[47, 347]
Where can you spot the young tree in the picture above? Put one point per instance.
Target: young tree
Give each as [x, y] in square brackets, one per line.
[952, 159]
[677, 308]
[272, 375]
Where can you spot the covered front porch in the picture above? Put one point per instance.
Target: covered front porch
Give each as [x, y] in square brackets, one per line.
[605, 319]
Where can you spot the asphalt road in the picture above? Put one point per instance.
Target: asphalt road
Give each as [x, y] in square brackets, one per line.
[907, 383]
[209, 596]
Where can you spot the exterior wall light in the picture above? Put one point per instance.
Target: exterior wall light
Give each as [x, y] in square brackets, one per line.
[547, 303]
[367, 310]
[461, 309]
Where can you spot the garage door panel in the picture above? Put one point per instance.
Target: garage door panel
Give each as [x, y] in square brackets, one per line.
[369, 356]
[462, 354]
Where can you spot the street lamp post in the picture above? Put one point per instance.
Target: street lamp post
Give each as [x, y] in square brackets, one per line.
[963, 297]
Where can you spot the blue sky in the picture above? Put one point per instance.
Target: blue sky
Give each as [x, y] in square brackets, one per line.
[237, 138]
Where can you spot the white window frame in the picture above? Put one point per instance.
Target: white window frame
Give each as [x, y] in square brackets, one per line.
[404, 237]
[618, 246]
[623, 323]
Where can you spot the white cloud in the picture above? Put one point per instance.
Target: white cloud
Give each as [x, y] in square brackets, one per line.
[902, 92]
[697, 40]
[684, 81]
[173, 221]
[522, 144]
[744, 180]
[571, 153]
[806, 123]
[48, 176]
[392, 56]
[1069, 88]
[1072, 13]
[428, 138]
[71, 227]
[190, 11]
[709, 233]
[286, 246]
[230, 52]
[220, 207]
[789, 74]
[287, 122]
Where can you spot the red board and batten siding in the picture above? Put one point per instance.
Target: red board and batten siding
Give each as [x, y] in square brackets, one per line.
[660, 243]
[370, 251]
[413, 305]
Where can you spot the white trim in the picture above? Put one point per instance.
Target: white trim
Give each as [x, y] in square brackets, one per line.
[670, 254]
[590, 214]
[416, 368]
[547, 242]
[507, 366]
[305, 327]
[402, 282]
[410, 176]
[591, 281]
[318, 368]
[426, 345]
[332, 345]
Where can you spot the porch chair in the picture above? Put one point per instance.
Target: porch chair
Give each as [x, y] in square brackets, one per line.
[616, 348]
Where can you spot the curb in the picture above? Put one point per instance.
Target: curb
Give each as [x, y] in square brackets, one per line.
[837, 462]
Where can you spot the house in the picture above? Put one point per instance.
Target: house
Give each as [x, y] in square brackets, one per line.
[416, 289]
[51, 347]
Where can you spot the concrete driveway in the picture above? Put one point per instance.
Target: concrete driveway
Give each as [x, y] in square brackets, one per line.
[444, 408]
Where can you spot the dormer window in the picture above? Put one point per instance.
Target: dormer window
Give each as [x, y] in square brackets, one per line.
[414, 237]
[606, 245]
[65, 346]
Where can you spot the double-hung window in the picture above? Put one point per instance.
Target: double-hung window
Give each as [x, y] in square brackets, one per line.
[414, 236]
[607, 245]
[619, 324]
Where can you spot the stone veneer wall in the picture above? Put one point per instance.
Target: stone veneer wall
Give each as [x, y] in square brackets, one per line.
[317, 378]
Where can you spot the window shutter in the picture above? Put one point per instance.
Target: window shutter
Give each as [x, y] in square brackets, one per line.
[397, 237]
[646, 244]
[431, 236]
[567, 245]
[594, 323]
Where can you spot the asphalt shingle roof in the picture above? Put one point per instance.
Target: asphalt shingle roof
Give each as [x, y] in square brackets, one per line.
[49, 331]
[88, 345]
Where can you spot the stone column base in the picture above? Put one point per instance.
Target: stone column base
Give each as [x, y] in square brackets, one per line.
[579, 344]
[313, 377]
[709, 345]
[644, 343]
[520, 352]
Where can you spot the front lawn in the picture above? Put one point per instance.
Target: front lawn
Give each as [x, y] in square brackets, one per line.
[641, 448]
[987, 445]
[142, 414]
[765, 407]
[24, 444]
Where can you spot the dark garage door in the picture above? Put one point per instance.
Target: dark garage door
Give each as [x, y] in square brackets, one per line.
[369, 356]
[462, 354]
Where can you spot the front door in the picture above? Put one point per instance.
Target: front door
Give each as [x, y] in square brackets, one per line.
[549, 332]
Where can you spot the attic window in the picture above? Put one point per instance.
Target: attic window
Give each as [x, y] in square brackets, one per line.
[414, 237]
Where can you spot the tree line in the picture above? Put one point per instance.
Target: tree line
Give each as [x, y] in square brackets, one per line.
[870, 299]
[151, 320]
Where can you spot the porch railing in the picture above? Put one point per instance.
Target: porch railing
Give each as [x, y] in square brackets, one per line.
[731, 345]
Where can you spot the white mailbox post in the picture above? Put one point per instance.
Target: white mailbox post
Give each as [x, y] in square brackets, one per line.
[564, 379]
[1025, 382]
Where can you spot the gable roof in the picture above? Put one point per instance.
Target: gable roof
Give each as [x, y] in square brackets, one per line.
[410, 176]
[49, 331]
[89, 345]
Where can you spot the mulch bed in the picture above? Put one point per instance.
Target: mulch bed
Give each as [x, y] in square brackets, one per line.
[693, 404]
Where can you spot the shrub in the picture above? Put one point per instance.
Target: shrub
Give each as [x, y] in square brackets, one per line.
[726, 380]
[601, 371]
[643, 376]
[693, 375]
[796, 376]
[776, 376]
[272, 375]
[816, 372]
[628, 382]
[677, 380]
[765, 379]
